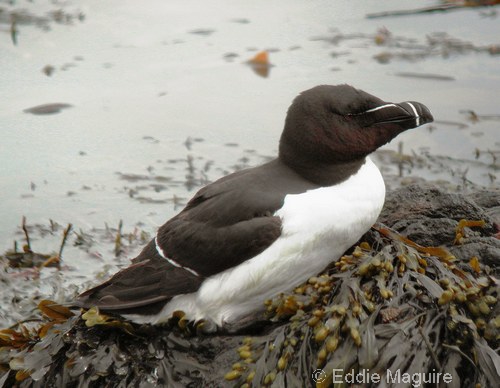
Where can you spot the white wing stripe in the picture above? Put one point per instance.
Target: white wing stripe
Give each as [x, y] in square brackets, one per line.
[173, 262]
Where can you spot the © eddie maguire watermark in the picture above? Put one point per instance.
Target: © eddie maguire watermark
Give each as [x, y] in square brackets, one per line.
[364, 376]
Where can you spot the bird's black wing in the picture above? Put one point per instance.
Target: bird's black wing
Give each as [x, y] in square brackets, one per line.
[142, 288]
[225, 224]
[230, 221]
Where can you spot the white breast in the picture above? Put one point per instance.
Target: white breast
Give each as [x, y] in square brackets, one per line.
[318, 226]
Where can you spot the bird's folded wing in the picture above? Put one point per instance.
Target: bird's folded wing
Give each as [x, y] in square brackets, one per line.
[208, 250]
[198, 252]
[146, 283]
[221, 227]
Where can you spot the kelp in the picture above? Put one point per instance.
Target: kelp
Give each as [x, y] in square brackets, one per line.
[390, 305]
[27, 258]
[404, 307]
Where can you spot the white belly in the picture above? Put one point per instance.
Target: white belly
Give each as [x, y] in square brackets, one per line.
[318, 226]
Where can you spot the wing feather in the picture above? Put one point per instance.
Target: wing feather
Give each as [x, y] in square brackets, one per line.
[225, 224]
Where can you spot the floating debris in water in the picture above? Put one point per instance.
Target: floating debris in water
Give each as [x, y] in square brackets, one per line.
[22, 17]
[494, 49]
[436, 44]
[48, 109]
[447, 5]
[230, 57]
[260, 64]
[151, 139]
[48, 70]
[472, 116]
[27, 258]
[433, 77]
[241, 21]
[383, 36]
[202, 31]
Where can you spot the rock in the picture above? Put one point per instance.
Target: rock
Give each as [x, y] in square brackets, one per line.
[416, 202]
[485, 248]
[430, 216]
[490, 202]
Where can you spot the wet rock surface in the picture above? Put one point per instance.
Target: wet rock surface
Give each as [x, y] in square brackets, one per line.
[389, 303]
[429, 216]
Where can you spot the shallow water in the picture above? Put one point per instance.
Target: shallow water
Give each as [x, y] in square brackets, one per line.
[149, 103]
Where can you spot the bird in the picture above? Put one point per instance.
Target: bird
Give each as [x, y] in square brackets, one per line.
[255, 233]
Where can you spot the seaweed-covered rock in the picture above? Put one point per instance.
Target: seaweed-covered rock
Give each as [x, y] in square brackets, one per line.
[430, 217]
[416, 299]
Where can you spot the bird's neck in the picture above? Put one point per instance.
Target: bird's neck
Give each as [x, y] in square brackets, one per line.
[322, 173]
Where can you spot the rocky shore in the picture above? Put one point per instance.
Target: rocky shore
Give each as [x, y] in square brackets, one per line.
[416, 298]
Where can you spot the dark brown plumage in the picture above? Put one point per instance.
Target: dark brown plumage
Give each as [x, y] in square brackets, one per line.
[329, 130]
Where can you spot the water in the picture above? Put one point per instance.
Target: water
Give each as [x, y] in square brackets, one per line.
[162, 102]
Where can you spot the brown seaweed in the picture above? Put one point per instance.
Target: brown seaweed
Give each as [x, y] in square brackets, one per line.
[390, 303]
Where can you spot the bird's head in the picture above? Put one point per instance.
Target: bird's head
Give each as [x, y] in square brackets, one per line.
[332, 124]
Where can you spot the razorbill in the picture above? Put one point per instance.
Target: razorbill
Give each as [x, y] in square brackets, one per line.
[264, 230]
